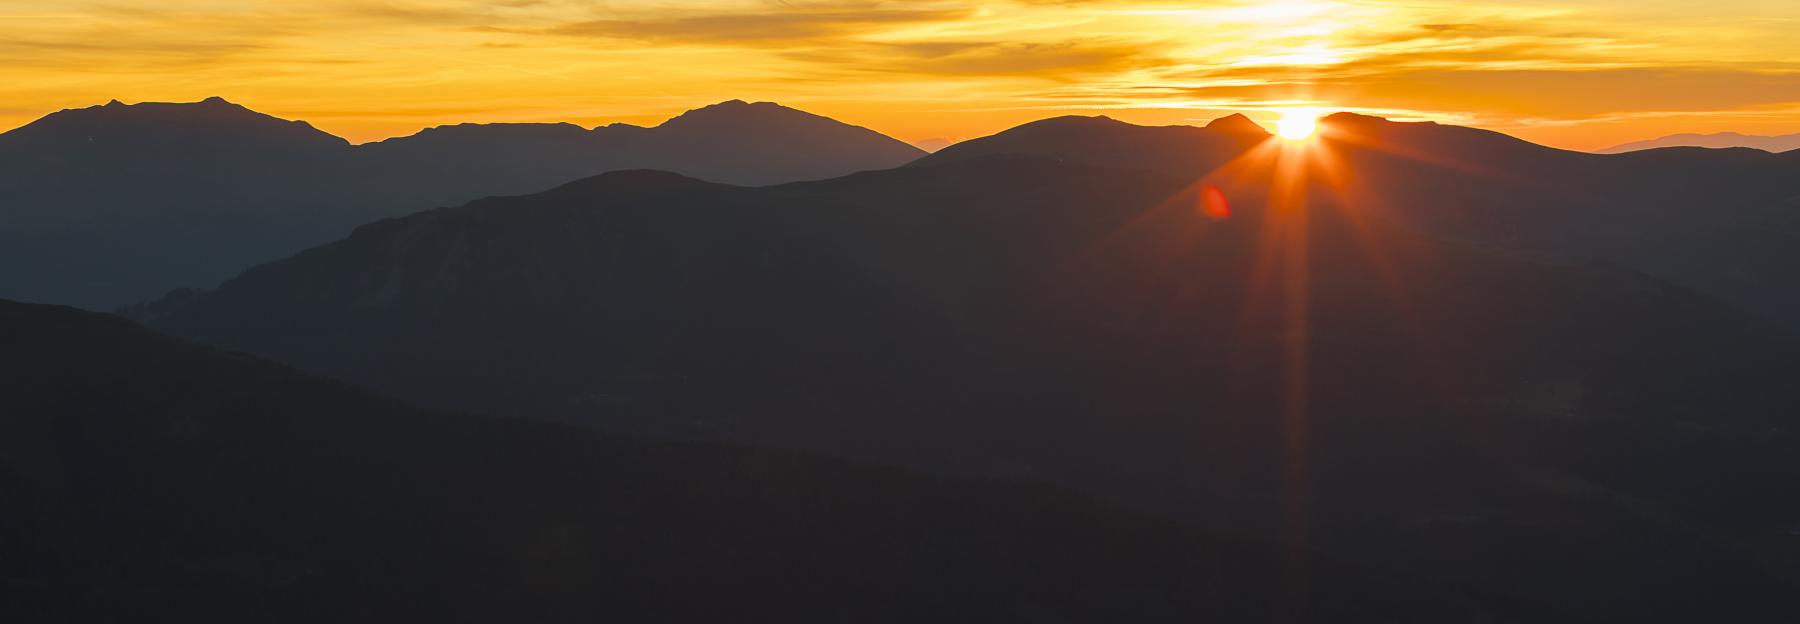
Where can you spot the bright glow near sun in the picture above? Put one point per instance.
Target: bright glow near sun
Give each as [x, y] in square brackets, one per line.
[1297, 123]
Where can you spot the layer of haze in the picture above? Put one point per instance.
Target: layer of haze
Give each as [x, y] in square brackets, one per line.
[1579, 74]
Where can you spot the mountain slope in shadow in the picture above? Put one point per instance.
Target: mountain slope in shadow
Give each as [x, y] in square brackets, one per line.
[115, 204]
[147, 477]
[1520, 425]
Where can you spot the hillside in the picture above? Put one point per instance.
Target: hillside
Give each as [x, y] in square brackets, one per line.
[149, 478]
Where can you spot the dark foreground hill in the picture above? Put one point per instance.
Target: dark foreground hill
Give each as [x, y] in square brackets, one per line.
[150, 479]
[1247, 352]
[115, 204]
[1718, 221]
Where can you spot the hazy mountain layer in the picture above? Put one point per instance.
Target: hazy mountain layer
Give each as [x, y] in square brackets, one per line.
[1717, 140]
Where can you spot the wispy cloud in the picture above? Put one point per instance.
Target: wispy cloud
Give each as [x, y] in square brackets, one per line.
[780, 22]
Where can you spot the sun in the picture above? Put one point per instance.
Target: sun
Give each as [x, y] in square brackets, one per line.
[1298, 124]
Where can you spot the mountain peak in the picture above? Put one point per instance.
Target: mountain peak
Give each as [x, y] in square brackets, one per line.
[739, 127]
[213, 120]
[736, 110]
[214, 107]
[1236, 123]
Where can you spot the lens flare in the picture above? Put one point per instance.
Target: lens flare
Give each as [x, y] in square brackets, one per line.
[1213, 203]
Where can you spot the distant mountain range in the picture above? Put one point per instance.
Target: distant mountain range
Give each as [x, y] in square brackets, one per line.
[1457, 411]
[1717, 140]
[119, 203]
[147, 478]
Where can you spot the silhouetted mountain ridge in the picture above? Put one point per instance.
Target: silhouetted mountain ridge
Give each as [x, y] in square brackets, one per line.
[732, 112]
[213, 123]
[1236, 122]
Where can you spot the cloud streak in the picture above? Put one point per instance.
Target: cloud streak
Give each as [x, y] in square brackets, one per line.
[782, 23]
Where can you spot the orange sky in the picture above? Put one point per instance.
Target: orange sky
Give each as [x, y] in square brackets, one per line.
[1579, 74]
